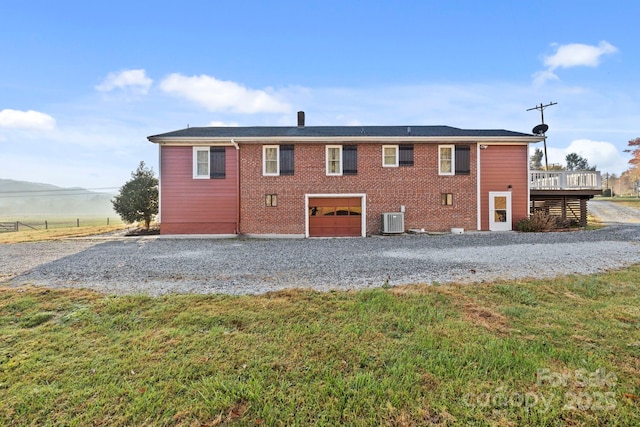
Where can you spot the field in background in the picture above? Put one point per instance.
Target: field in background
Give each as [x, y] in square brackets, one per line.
[537, 353]
[35, 228]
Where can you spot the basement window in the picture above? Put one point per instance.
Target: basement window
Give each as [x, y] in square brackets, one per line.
[446, 199]
[271, 200]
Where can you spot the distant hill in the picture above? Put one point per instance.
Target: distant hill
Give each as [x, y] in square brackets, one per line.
[22, 198]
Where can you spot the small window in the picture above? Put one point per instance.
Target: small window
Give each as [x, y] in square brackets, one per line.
[271, 160]
[271, 200]
[446, 160]
[389, 156]
[446, 199]
[334, 160]
[200, 162]
[405, 155]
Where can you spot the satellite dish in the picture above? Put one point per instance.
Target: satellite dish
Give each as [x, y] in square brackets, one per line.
[540, 129]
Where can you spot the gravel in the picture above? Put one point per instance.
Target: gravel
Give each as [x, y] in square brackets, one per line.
[157, 265]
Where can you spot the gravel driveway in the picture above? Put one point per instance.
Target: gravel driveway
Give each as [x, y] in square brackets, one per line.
[155, 266]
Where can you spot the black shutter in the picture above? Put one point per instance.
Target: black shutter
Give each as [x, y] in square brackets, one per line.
[462, 160]
[286, 160]
[217, 163]
[349, 160]
[405, 153]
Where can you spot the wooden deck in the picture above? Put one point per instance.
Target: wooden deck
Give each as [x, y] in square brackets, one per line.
[564, 193]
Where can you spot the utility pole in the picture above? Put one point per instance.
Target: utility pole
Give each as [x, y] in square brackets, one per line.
[541, 108]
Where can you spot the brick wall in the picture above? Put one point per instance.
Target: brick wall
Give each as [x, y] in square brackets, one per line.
[418, 188]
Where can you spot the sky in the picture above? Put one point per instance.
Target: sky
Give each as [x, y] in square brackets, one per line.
[83, 84]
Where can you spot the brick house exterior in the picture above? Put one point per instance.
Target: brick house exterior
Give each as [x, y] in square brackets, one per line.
[339, 181]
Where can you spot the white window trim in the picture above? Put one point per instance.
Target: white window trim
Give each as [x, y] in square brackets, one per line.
[397, 156]
[195, 163]
[453, 160]
[264, 160]
[339, 147]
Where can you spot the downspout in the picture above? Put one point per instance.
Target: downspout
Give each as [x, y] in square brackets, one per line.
[237, 147]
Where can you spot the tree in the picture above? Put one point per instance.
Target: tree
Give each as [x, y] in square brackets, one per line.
[535, 160]
[576, 162]
[138, 197]
[634, 169]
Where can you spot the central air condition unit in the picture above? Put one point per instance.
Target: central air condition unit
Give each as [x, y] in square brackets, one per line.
[392, 223]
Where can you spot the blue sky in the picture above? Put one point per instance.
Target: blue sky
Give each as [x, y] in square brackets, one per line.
[82, 84]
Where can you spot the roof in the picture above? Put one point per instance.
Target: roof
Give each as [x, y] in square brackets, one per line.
[333, 131]
[313, 134]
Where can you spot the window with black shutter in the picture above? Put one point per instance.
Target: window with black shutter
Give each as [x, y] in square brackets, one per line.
[218, 162]
[286, 160]
[462, 162]
[349, 159]
[405, 155]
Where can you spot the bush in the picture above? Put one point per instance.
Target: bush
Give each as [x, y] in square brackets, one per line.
[538, 221]
[607, 192]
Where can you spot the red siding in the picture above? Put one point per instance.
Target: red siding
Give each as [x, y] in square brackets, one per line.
[501, 166]
[193, 206]
[418, 188]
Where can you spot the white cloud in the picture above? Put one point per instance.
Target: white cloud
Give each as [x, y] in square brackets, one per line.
[604, 155]
[578, 55]
[218, 95]
[133, 80]
[29, 120]
[572, 55]
[216, 123]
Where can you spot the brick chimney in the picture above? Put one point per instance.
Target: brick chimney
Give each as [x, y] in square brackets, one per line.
[300, 119]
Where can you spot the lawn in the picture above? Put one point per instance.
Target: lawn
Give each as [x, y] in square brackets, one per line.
[542, 353]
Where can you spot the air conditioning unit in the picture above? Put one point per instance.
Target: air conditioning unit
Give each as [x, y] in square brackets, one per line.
[393, 223]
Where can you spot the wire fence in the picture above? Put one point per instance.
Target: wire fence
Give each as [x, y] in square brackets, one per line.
[46, 224]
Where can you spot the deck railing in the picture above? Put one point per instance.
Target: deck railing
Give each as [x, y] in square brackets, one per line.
[565, 180]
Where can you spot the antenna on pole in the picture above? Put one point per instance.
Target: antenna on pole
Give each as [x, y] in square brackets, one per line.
[542, 128]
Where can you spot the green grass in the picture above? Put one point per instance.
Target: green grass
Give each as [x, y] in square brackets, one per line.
[543, 353]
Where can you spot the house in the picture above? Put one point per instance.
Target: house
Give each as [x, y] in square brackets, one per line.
[311, 181]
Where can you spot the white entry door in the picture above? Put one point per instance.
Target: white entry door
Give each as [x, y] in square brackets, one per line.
[500, 210]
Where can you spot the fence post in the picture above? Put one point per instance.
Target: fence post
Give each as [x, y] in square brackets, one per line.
[107, 220]
[78, 222]
[46, 225]
[17, 228]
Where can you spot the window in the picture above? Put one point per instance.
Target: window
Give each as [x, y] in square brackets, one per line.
[209, 162]
[389, 156]
[445, 160]
[200, 162]
[277, 160]
[342, 160]
[454, 159]
[334, 160]
[405, 155]
[271, 157]
[271, 200]
[446, 199]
